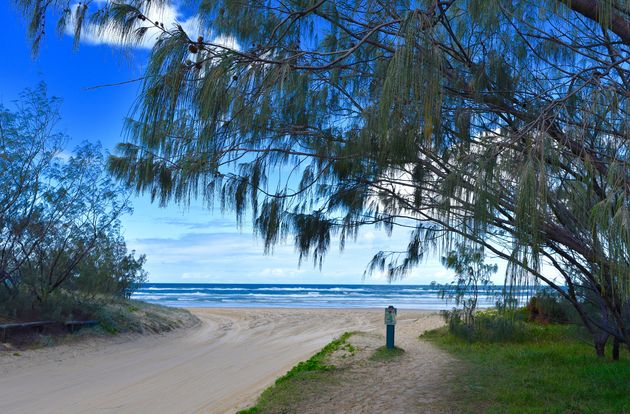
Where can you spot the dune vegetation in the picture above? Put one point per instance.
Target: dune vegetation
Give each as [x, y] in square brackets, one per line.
[62, 253]
[549, 369]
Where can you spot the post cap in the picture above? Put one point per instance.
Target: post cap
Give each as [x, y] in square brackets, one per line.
[390, 315]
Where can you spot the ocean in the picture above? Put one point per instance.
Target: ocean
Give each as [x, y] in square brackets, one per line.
[212, 295]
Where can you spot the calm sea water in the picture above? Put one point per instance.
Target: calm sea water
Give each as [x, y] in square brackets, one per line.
[300, 296]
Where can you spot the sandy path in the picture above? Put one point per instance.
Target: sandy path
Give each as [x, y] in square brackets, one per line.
[217, 367]
[416, 382]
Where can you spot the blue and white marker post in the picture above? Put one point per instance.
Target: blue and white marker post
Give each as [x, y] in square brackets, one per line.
[390, 323]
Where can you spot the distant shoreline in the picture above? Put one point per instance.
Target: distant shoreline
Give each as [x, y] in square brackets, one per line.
[303, 296]
[314, 310]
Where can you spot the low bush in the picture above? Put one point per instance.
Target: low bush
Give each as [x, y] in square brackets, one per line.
[547, 307]
[488, 326]
[113, 314]
[59, 306]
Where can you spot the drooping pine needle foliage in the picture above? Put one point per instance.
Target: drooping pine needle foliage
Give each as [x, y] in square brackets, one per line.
[501, 123]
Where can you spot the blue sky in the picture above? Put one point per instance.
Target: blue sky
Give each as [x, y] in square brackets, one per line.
[195, 244]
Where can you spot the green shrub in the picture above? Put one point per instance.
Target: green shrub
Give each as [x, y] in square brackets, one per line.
[547, 307]
[488, 326]
[58, 306]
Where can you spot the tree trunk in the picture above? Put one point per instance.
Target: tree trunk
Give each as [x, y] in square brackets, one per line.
[615, 350]
[600, 343]
[7, 281]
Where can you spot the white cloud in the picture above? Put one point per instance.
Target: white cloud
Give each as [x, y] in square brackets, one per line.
[281, 272]
[196, 276]
[368, 235]
[226, 41]
[196, 245]
[442, 275]
[64, 156]
[167, 14]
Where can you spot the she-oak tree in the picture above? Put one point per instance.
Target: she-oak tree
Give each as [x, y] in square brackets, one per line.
[504, 124]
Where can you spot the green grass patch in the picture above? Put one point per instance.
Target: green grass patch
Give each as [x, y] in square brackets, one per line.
[288, 389]
[384, 354]
[551, 372]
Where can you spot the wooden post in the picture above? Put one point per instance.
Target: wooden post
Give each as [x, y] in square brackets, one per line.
[390, 322]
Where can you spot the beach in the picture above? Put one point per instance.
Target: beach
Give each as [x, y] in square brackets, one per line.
[219, 366]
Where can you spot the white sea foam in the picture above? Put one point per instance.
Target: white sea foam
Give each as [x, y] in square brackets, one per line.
[312, 296]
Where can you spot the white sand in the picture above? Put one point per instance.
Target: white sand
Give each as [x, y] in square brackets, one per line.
[218, 367]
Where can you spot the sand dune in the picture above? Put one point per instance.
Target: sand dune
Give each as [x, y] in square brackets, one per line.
[218, 367]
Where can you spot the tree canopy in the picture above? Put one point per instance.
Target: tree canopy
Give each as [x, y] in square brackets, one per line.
[59, 212]
[504, 124]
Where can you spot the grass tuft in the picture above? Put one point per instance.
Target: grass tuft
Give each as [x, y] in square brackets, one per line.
[384, 354]
[316, 362]
[287, 388]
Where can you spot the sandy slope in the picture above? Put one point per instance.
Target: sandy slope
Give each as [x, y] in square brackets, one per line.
[217, 367]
